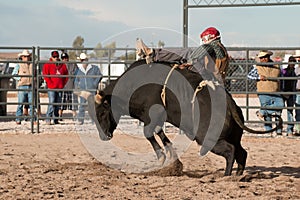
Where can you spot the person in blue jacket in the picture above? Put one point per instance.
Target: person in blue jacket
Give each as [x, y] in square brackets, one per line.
[88, 78]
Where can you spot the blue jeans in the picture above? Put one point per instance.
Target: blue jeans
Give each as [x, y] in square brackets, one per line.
[290, 102]
[24, 97]
[52, 111]
[297, 104]
[267, 100]
[81, 110]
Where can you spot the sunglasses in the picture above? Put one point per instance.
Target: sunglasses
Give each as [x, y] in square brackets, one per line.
[55, 56]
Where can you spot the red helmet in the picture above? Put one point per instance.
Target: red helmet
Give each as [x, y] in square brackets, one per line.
[213, 32]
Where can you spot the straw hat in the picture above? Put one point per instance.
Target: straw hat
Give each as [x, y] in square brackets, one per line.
[24, 53]
[263, 53]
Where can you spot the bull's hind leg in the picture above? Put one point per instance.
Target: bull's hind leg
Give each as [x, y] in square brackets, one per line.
[225, 149]
[240, 157]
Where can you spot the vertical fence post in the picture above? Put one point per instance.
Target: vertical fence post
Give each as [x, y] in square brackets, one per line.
[38, 106]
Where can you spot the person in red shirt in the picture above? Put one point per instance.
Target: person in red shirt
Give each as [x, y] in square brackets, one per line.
[52, 73]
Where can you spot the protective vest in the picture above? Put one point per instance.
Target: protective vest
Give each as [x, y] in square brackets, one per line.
[213, 57]
[25, 69]
[268, 85]
[220, 64]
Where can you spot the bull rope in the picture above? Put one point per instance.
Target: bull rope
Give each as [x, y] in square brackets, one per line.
[163, 92]
[202, 84]
[198, 89]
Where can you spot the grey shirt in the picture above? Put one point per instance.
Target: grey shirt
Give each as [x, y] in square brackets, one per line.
[72, 70]
[297, 72]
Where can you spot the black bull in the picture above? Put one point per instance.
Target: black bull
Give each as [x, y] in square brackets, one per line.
[209, 116]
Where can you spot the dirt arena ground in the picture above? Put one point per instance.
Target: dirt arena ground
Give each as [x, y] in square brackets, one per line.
[56, 165]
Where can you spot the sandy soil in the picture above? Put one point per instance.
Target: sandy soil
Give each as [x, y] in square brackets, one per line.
[56, 164]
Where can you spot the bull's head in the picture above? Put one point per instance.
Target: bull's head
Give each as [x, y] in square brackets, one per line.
[100, 111]
[104, 114]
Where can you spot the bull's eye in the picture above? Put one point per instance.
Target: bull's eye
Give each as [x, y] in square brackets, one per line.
[105, 104]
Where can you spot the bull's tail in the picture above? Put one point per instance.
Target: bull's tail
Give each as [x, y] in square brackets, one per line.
[233, 108]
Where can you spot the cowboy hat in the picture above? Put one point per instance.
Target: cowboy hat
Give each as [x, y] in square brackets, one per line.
[297, 55]
[264, 53]
[24, 53]
[82, 56]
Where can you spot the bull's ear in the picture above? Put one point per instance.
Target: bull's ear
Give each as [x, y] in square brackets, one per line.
[99, 96]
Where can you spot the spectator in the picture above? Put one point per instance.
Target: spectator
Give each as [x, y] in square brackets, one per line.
[68, 97]
[209, 58]
[265, 74]
[25, 84]
[36, 101]
[52, 72]
[289, 99]
[297, 103]
[26, 109]
[88, 78]
[26, 106]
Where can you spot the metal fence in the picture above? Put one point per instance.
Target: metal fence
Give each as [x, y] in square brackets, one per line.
[7, 81]
[237, 83]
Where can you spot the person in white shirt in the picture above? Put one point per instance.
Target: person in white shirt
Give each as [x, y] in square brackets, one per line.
[88, 78]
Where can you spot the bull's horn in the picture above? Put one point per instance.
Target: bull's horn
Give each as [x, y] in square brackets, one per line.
[98, 99]
[84, 94]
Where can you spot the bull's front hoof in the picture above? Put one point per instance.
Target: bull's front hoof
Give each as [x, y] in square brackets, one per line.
[161, 157]
[203, 151]
[170, 152]
[104, 137]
